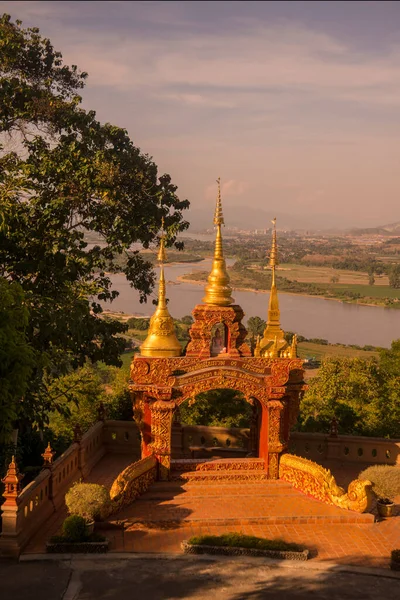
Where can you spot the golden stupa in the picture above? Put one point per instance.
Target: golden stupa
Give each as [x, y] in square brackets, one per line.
[161, 340]
[218, 290]
[273, 343]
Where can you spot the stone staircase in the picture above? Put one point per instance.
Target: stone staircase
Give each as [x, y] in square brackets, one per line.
[225, 471]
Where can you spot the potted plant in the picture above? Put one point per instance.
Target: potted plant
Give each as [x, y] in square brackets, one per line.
[385, 481]
[90, 501]
[385, 507]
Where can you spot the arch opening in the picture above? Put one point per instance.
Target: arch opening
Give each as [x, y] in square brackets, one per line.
[218, 423]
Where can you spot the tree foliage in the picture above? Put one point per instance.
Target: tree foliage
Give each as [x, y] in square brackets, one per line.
[16, 355]
[219, 408]
[394, 276]
[255, 326]
[63, 174]
[362, 394]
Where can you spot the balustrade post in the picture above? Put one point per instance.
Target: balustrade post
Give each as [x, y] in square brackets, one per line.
[11, 527]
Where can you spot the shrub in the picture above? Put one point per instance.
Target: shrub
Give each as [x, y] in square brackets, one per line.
[385, 480]
[395, 556]
[88, 500]
[239, 540]
[74, 529]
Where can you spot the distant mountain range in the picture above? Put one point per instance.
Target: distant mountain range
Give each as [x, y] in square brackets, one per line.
[392, 229]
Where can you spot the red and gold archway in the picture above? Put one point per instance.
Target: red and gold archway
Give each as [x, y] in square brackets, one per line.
[162, 379]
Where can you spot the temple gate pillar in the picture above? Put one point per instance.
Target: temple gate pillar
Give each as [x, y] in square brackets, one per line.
[275, 442]
[162, 412]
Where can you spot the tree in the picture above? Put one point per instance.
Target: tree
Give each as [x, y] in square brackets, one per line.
[64, 174]
[16, 356]
[394, 276]
[137, 323]
[362, 394]
[187, 320]
[389, 366]
[371, 279]
[256, 326]
[335, 279]
[347, 388]
[218, 408]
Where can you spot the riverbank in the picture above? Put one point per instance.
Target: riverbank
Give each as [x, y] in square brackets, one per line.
[187, 278]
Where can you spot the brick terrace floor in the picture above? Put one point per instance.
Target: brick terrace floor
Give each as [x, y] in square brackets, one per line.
[172, 512]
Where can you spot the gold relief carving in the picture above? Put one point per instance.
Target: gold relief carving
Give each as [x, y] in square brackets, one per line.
[232, 465]
[161, 422]
[275, 424]
[164, 467]
[311, 478]
[273, 471]
[132, 482]
[200, 476]
[280, 372]
[140, 368]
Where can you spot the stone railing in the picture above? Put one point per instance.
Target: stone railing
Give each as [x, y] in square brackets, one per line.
[20, 522]
[225, 441]
[345, 448]
[91, 448]
[122, 437]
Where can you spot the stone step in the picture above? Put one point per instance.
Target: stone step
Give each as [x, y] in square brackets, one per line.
[153, 521]
[218, 476]
[224, 464]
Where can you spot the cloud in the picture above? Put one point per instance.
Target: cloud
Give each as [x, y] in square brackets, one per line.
[288, 112]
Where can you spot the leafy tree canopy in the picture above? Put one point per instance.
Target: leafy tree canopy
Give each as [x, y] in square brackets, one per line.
[219, 408]
[63, 174]
[362, 394]
[256, 326]
[16, 356]
[394, 276]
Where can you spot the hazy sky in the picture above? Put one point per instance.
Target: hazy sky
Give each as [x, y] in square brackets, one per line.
[296, 105]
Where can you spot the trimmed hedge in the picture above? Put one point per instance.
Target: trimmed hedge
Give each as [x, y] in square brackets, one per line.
[385, 480]
[239, 540]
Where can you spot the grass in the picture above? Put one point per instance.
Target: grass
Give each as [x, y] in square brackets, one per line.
[239, 540]
[369, 291]
[323, 274]
[320, 351]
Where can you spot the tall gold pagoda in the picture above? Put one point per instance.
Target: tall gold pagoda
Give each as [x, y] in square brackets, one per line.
[161, 340]
[273, 343]
[218, 291]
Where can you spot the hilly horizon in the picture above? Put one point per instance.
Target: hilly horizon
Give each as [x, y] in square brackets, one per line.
[247, 218]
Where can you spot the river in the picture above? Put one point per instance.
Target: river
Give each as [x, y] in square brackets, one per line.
[311, 317]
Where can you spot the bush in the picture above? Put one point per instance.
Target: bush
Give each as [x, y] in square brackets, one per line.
[239, 540]
[385, 480]
[88, 500]
[74, 529]
[395, 556]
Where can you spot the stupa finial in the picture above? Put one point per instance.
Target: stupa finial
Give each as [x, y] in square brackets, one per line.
[161, 339]
[218, 290]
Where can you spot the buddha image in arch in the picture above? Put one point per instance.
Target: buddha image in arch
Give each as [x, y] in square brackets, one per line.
[218, 342]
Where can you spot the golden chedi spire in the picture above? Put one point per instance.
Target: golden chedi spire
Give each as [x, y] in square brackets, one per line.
[218, 291]
[273, 342]
[161, 340]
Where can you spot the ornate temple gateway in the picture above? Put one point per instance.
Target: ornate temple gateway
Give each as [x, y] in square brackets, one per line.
[217, 357]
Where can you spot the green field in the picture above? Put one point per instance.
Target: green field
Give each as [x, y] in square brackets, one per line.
[369, 291]
[320, 351]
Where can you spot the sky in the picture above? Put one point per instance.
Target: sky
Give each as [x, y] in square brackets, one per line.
[295, 105]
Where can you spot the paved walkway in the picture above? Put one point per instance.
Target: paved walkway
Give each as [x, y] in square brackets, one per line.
[172, 512]
[194, 578]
